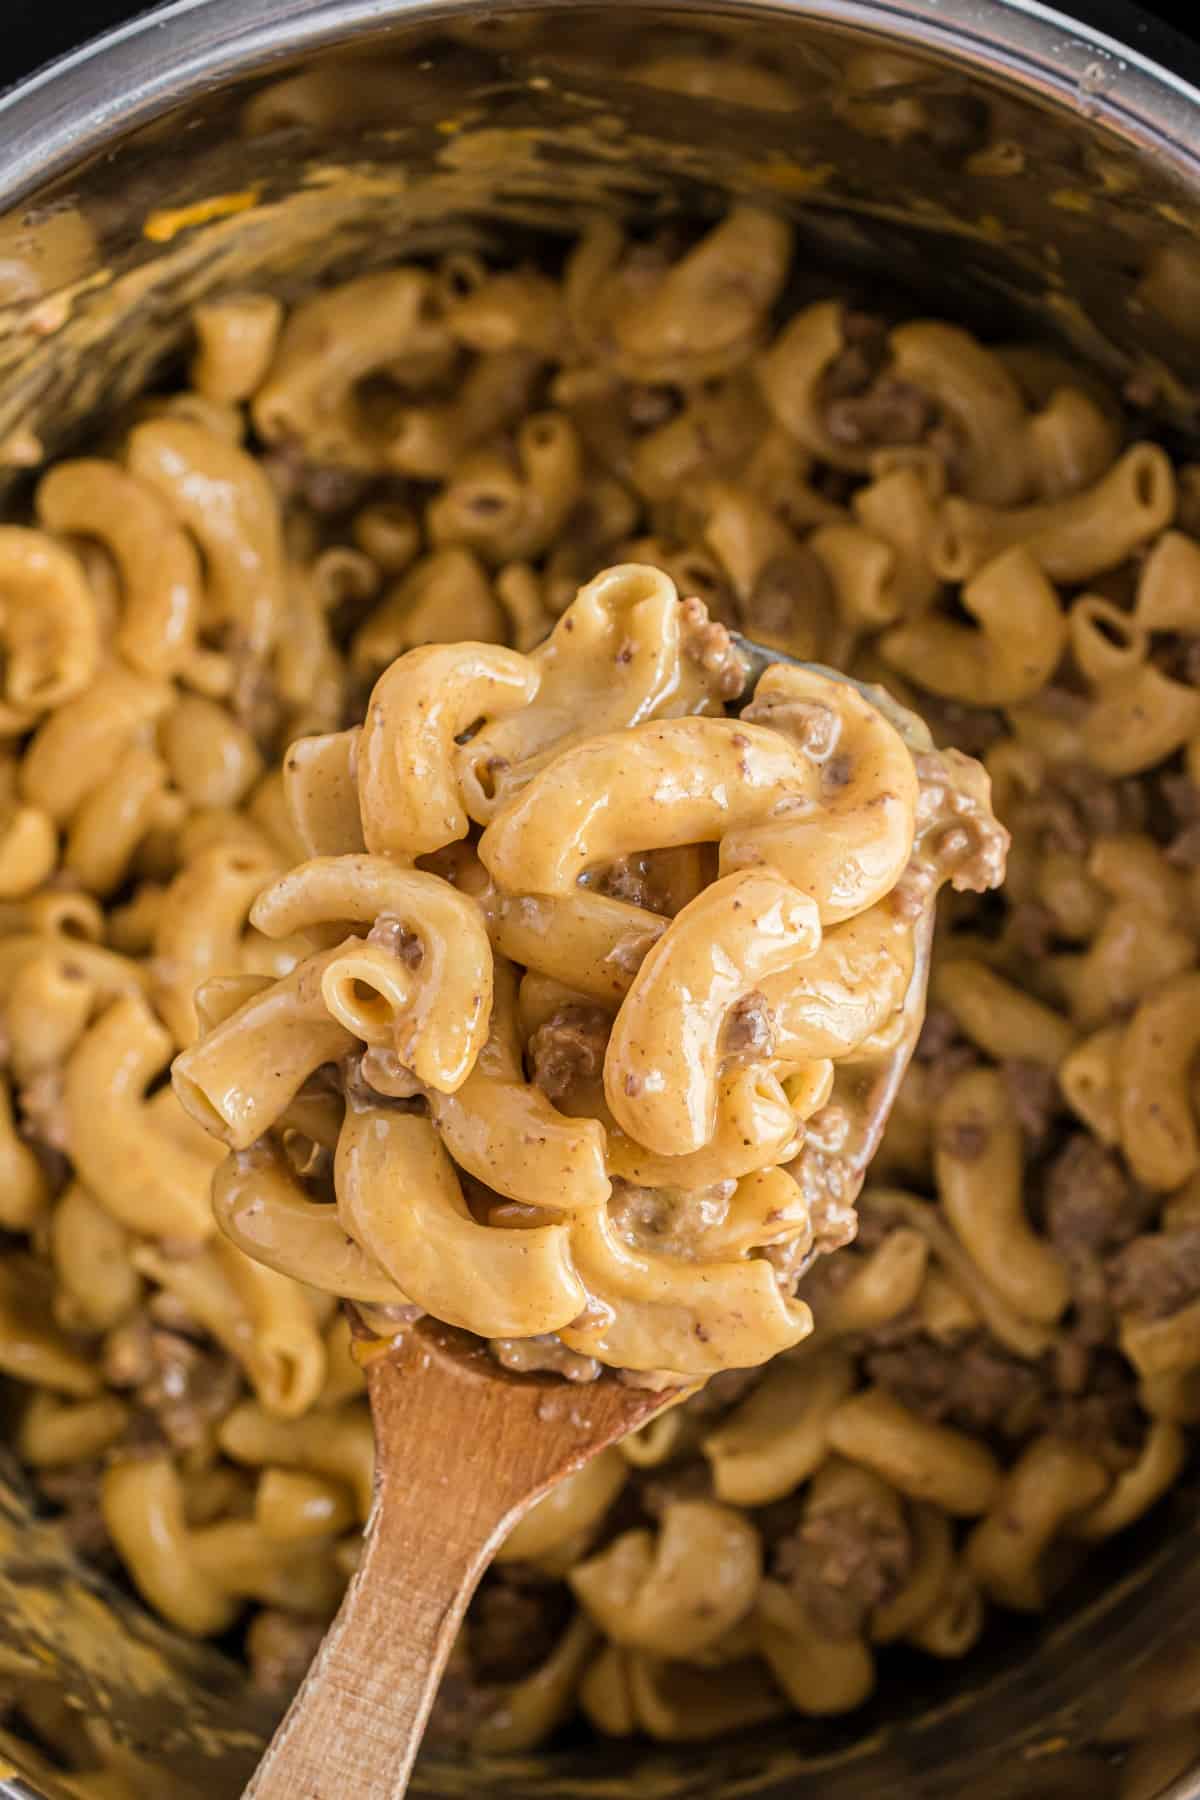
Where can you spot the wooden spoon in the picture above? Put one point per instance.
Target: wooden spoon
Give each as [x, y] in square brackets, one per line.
[463, 1449]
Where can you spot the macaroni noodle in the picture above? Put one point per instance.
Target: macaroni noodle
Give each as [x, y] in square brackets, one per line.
[357, 745]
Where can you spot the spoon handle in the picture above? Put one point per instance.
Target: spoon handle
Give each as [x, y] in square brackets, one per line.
[460, 1457]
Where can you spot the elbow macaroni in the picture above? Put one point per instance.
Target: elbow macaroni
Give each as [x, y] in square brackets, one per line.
[161, 651]
[814, 812]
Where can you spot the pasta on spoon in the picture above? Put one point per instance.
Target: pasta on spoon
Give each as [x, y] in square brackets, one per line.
[602, 981]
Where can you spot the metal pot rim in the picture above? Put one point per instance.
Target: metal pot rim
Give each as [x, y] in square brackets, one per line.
[74, 107]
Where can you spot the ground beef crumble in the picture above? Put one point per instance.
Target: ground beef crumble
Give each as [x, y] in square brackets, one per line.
[845, 1561]
[965, 1140]
[75, 1490]
[327, 488]
[749, 1034]
[689, 1481]
[710, 645]
[943, 1051]
[792, 596]
[1075, 806]
[1102, 1414]
[1031, 929]
[568, 1048]
[1033, 1091]
[668, 1219]
[975, 1385]
[956, 831]
[1089, 1200]
[868, 407]
[1155, 1275]
[1091, 1208]
[889, 411]
[1075, 1391]
[392, 935]
[180, 1387]
[515, 1623]
[647, 879]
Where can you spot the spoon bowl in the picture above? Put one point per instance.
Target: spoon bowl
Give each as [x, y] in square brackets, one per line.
[464, 1448]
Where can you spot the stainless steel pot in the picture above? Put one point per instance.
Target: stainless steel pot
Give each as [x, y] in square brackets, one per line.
[989, 157]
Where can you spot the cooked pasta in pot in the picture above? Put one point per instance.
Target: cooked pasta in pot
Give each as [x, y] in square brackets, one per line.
[485, 1162]
[1002, 1368]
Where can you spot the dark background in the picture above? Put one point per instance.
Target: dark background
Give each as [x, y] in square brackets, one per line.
[36, 30]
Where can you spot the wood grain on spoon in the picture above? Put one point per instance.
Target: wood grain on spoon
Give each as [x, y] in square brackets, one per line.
[463, 1449]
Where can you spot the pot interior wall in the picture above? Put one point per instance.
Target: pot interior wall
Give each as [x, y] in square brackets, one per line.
[910, 178]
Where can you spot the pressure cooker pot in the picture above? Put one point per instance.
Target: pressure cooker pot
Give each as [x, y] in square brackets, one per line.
[987, 163]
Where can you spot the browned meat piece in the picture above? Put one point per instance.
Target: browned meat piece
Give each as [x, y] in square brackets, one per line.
[861, 359]
[1033, 1090]
[690, 1481]
[812, 725]
[671, 1219]
[76, 1491]
[630, 878]
[1104, 1416]
[1031, 929]
[749, 1034]
[182, 1386]
[1077, 805]
[324, 487]
[709, 644]
[890, 411]
[830, 1186]
[192, 1388]
[649, 879]
[865, 405]
[975, 1385]
[939, 1033]
[280, 1646]
[1091, 1208]
[844, 1562]
[1155, 1275]
[515, 1622]
[792, 598]
[1090, 1202]
[963, 842]
[943, 1051]
[396, 938]
[532, 1355]
[971, 729]
[569, 1048]
[964, 1139]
